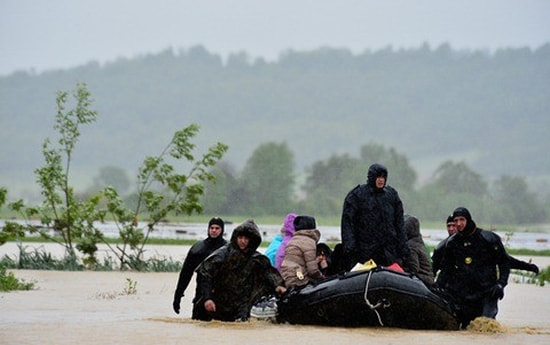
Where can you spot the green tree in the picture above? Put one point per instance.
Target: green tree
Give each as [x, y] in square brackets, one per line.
[453, 177]
[267, 181]
[113, 176]
[517, 203]
[219, 195]
[451, 185]
[10, 230]
[61, 214]
[162, 190]
[327, 183]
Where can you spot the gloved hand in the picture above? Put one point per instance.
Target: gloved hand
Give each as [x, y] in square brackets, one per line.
[533, 268]
[497, 291]
[176, 305]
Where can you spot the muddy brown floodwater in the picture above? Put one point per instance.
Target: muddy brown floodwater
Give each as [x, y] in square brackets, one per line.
[97, 308]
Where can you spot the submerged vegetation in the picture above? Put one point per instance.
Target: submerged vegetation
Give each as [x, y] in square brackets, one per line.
[39, 259]
[8, 281]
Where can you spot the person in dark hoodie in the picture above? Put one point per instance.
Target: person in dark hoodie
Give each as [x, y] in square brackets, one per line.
[235, 277]
[198, 252]
[418, 262]
[474, 269]
[372, 222]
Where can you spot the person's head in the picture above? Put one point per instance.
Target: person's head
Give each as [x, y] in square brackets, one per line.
[412, 226]
[288, 224]
[451, 226]
[463, 221]
[304, 223]
[323, 250]
[377, 176]
[243, 241]
[215, 227]
[246, 236]
[324, 254]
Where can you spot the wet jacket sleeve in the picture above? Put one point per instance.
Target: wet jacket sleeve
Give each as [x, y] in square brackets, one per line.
[347, 227]
[402, 247]
[412, 264]
[502, 258]
[192, 260]
[208, 270]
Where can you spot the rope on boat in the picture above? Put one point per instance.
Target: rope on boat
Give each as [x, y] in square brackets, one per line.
[371, 306]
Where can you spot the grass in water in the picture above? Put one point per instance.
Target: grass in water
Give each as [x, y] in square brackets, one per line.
[129, 289]
[9, 282]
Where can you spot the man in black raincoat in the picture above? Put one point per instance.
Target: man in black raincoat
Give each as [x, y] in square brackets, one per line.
[234, 277]
[198, 252]
[372, 222]
[474, 269]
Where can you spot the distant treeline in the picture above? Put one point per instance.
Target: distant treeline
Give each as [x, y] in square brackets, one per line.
[490, 110]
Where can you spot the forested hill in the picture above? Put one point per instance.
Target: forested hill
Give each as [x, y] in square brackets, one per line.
[491, 110]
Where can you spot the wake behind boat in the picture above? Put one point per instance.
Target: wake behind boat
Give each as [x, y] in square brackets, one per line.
[376, 297]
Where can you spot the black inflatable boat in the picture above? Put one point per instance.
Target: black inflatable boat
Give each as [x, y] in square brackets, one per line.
[376, 297]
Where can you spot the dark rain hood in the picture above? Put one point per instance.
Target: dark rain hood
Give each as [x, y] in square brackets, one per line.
[376, 170]
[249, 229]
[412, 227]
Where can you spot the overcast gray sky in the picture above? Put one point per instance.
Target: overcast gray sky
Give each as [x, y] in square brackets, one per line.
[51, 34]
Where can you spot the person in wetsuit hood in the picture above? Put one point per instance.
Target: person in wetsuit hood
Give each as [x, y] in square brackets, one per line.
[197, 253]
[474, 269]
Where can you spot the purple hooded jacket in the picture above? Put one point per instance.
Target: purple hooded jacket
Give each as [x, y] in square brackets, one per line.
[288, 228]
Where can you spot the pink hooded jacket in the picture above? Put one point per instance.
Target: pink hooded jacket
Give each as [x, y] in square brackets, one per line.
[288, 228]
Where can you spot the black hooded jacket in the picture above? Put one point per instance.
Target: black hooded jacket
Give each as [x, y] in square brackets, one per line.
[235, 279]
[197, 253]
[372, 223]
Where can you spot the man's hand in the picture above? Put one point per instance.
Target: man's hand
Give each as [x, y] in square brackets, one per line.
[280, 290]
[210, 306]
[176, 305]
[534, 268]
[497, 291]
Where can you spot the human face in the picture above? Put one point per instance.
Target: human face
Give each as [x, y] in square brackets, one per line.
[460, 223]
[451, 228]
[322, 260]
[380, 182]
[214, 230]
[242, 242]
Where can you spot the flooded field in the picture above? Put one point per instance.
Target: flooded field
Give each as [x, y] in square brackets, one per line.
[94, 308]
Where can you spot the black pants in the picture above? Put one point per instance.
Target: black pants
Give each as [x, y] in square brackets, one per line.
[469, 310]
[199, 313]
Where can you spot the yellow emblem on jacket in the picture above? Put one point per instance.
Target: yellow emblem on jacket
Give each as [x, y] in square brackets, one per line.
[468, 260]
